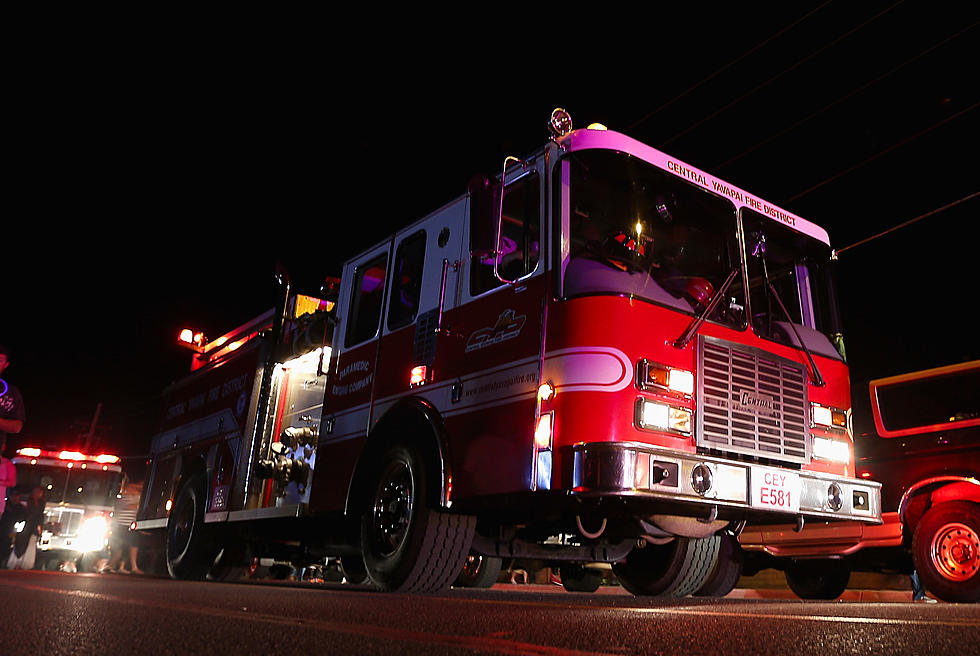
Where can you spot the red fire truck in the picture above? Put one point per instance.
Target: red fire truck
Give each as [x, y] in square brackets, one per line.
[80, 492]
[603, 355]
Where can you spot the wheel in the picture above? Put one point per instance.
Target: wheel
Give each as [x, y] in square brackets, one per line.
[190, 554]
[675, 569]
[576, 578]
[354, 570]
[479, 572]
[818, 579]
[408, 546]
[727, 571]
[946, 551]
[232, 563]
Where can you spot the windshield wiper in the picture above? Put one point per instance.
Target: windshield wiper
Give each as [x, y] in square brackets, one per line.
[693, 327]
[760, 252]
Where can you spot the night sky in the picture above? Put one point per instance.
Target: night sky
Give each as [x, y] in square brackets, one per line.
[156, 181]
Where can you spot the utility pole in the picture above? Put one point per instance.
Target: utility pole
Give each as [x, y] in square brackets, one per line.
[91, 430]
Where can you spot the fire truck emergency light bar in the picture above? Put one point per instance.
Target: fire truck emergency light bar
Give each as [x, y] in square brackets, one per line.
[73, 456]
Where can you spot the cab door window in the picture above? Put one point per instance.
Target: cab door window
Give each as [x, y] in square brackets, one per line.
[519, 247]
[406, 281]
[366, 301]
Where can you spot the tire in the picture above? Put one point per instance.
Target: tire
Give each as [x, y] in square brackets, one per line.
[946, 551]
[675, 569]
[818, 579]
[231, 564]
[479, 572]
[576, 578]
[727, 571]
[408, 546]
[354, 570]
[190, 554]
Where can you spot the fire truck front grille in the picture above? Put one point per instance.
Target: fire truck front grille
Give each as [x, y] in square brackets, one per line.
[63, 522]
[751, 402]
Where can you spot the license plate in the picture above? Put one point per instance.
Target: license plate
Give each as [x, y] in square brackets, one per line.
[775, 489]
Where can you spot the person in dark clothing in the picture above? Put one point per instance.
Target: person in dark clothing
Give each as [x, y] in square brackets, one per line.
[13, 513]
[12, 414]
[12, 419]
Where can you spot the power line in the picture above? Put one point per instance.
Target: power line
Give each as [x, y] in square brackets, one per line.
[881, 152]
[854, 92]
[910, 221]
[727, 66]
[780, 74]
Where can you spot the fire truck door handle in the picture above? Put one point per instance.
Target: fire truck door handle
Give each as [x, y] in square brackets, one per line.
[442, 291]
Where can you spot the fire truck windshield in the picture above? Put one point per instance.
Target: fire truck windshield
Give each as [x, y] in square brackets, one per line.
[85, 487]
[635, 229]
[800, 270]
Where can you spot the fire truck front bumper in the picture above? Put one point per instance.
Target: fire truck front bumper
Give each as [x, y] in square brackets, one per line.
[761, 493]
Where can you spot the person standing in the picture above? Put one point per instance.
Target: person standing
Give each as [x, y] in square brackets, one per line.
[25, 540]
[123, 545]
[12, 419]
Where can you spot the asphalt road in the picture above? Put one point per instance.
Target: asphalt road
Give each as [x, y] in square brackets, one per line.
[53, 613]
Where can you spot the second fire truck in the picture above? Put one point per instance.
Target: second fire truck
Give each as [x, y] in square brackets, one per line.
[603, 355]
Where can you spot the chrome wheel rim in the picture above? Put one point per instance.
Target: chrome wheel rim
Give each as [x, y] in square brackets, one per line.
[393, 504]
[955, 552]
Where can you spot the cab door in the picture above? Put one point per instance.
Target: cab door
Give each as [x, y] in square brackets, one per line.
[351, 373]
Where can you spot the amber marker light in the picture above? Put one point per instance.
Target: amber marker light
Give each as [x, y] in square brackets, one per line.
[418, 376]
[546, 392]
[544, 431]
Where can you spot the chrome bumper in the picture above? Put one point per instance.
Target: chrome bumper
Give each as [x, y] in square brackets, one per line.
[617, 469]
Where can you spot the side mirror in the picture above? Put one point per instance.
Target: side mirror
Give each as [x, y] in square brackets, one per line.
[483, 227]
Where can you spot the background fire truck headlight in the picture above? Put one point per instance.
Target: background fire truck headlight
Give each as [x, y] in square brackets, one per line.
[663, 417]
[836, 450]
[92, 536]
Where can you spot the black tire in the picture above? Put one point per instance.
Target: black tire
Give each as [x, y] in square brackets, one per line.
[479, 572]
[727, 571]
[818, 579]
[946, 551]
[675, 569]
[576, 578]
[190, 553]
[231, 564]
[354, 571]
[407, 545]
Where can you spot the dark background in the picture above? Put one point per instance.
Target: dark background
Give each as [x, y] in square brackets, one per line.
[156, 176]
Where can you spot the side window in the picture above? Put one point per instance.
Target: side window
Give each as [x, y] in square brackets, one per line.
[365, 308]
[519, 247]
[406, 281]
[946, 400]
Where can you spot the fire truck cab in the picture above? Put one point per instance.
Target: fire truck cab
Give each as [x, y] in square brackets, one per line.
[601, 355]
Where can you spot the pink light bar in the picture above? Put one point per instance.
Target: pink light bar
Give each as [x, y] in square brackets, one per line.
[71, 455]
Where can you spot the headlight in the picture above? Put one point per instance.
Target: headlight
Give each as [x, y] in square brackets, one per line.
[828, 449]
[660, 416]
[668, 379]
[92, 536]
[826, 417]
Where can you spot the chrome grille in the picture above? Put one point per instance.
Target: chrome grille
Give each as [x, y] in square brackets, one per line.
[751, 402]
